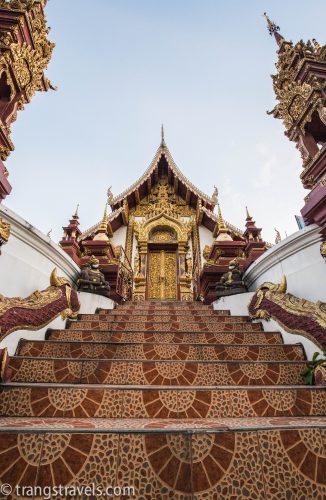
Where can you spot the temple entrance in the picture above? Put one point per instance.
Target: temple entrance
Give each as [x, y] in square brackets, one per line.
[162, 275]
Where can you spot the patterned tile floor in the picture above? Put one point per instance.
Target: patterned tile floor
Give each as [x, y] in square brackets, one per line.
[178, 400]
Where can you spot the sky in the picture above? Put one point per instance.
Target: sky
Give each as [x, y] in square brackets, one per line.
[124, 67]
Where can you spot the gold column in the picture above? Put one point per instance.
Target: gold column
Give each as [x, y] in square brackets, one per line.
[184, 279]
[140, 279]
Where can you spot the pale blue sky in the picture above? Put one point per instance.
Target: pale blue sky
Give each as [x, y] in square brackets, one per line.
[125, 66]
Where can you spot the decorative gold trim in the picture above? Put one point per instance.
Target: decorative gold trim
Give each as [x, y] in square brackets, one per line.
[276, 293]
[56, 281]
[4, 231]
[162, 150]
[3, 364]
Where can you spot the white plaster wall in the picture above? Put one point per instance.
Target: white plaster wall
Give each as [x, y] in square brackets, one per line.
[29, 257]
[298, 257]
[88, 304]
[206, 238]
[238, 306]
[119, 236]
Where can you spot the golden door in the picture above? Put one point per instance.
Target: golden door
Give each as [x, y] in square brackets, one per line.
[162, 275]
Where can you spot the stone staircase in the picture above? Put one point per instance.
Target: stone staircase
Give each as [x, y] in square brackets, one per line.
[173, 399]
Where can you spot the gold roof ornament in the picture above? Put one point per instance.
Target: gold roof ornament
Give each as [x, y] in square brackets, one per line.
[249, 217]
[110, 195]
[215, 195]
[162, 137]
[163, 150]
[223, 233]
[57, 281]
[102, 231]
[76, 211]
[272, 27]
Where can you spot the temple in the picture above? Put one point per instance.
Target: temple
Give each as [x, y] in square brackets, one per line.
[165, 230]
[163, 353]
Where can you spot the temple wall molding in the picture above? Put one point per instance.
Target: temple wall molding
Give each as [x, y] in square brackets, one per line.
[238, 305]
[299, 259]
[31, 255]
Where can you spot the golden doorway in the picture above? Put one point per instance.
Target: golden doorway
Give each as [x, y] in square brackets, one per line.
[162, 275]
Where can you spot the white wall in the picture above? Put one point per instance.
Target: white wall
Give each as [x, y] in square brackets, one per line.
[29, 257]
[26, 263]
[119, 236]
[206, 238]
[298, 257]
[238, 306]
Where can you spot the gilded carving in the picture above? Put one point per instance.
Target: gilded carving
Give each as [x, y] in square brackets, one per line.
[293, 98]
[145, 228]
[206, 254]
[37, 299]
[162, 278]
[4, 231]
[296, 315]
[24, 63]
[163, 200]
[323, 250]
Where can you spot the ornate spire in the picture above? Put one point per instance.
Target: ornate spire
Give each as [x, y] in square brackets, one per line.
[221, 223]
[76, 216]
[274, 29]
[248, 215]
[104, 223]
[102, 231]
[162, 137]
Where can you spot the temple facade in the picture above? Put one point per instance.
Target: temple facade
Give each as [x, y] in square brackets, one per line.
[162, 239]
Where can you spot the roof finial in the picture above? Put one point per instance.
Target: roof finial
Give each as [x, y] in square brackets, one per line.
[221, 223]
[110, 195]
[104, 223]
[76, 211]
[162, 137]
[215, 195]
[248, 214]
[274, 29]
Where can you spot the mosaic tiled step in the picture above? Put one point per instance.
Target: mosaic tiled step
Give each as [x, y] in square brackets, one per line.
[140, 318]
[164, 304]
[166, 337]
[158, 351]
[254, 458]
[148, 425]
[166, 326]
[178, 402]
[157, 372]
[163, 312]
[178, 306]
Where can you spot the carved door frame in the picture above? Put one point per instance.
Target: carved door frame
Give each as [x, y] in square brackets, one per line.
[182, 233]
[166, 248]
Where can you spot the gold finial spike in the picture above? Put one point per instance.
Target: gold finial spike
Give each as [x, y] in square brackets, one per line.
[76, 211]
[221, 223]
[162, 136]
[272, 27]
[104, 223]
[248, 214]
[105, 215]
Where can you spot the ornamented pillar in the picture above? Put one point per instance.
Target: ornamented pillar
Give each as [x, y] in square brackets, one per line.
[140, 276]
[300, 89]
[4, 232]
[184, 275]
[25, 52]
